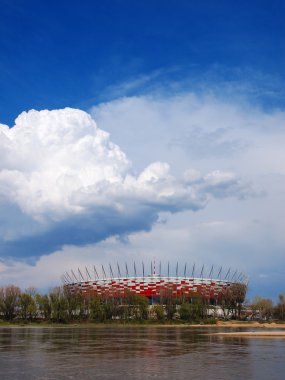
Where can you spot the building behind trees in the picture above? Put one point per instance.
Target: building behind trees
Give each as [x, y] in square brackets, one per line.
[137, 297]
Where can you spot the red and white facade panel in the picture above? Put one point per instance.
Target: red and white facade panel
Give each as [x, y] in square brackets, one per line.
[152, 286]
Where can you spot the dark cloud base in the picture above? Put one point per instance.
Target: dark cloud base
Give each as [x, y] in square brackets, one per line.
[77, 231]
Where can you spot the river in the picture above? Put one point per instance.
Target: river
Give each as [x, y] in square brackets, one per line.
[136, 353]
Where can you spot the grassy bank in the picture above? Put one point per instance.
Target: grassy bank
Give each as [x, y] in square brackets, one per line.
[130, 324]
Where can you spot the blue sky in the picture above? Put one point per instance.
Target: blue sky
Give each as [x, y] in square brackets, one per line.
[187, 158]
[66, 53]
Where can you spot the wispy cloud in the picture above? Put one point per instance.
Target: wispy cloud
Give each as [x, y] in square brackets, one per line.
[229, 84]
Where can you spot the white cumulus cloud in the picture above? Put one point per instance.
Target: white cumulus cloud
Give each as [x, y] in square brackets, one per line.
[62, 180]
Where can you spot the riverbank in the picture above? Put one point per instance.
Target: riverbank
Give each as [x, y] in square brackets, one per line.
[146, 324]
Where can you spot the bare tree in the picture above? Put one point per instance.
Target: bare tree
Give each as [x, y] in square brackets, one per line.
[262, 308]
[232, 299]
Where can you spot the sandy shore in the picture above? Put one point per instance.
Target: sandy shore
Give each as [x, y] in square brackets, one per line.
[251, 325]
[227, 325]
[268, 334]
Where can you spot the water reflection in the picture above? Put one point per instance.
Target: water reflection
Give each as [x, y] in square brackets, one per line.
[136, 353]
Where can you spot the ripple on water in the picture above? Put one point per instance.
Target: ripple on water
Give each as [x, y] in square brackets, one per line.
[136, 353]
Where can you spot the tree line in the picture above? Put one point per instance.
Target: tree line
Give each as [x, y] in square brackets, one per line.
[63, 306]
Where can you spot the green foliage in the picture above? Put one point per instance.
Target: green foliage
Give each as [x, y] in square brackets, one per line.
[210, 321]
[98, 311]
[59, 305]
[191, 312]
[75, 305]
[158, 312]
[43, 306]
[9, 297]
[279, 311]
[138, 307]
[27, 306]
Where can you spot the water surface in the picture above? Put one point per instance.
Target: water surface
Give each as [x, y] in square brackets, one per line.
[136, 353]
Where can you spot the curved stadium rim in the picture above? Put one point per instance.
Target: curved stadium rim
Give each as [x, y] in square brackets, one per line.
[153, 285]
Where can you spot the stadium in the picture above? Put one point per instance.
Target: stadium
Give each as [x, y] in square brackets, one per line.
[156, 285]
